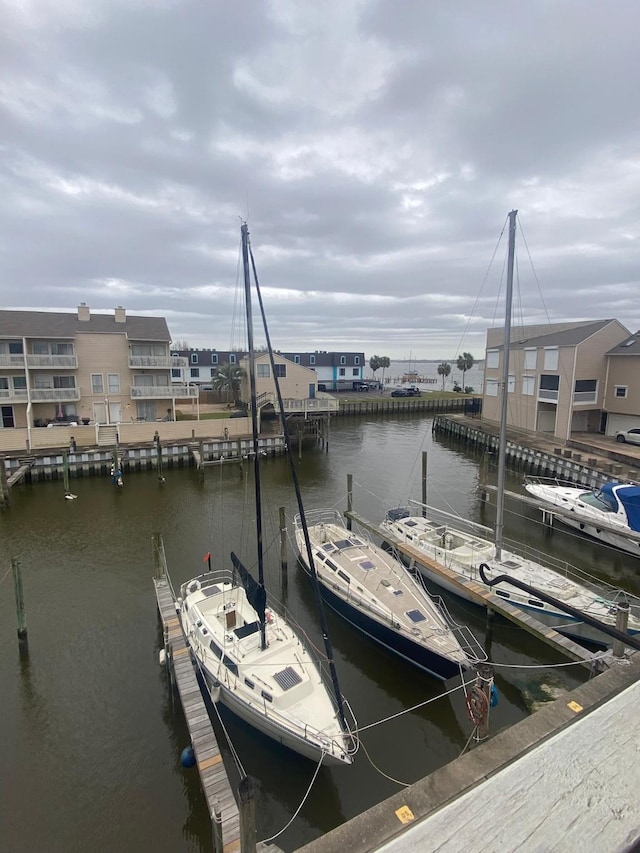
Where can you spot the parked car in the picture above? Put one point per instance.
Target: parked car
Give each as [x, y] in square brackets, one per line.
[401, 392]
[630, 435]
[360, 386]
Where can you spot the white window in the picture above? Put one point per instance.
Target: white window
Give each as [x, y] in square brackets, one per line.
[232, 358]
[214, 358]
[263, 371]
[551, 359]
[356, 359]
[493, 358]
[176, 373]
[97, 384]
[341, 371]
[195, 372]
[356, 371]
[194, 358]
[528, 385]
[312, 359]
[620, 391]
[113, 381]
[530, 359]
[343, 359]
[296, 359]
[491, 387]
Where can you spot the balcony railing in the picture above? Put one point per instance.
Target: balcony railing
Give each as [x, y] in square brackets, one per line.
[11, 360]
[14, 395]
[55, 395]
[321, 403]
[585, 397]
[163, 392]
[548, 396]
[161, 361]
[66, 362]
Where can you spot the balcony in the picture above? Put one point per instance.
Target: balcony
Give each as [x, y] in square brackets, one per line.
[154, 361]
[66, 362]
[164, 392]
[13, 395]
[585, 397]
[11, 360]
[55, 395]
[547, 396]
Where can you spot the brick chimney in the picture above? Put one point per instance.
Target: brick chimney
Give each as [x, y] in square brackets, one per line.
[121, 315]
[84, 314]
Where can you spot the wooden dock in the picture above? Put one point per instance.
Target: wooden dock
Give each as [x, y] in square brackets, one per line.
[213, 776]
[483, 596]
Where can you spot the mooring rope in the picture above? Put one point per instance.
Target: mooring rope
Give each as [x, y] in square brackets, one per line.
[304, 799]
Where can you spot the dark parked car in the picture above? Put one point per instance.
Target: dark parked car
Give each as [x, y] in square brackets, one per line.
[401, 392]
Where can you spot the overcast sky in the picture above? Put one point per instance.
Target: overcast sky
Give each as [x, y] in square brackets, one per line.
[375, 147]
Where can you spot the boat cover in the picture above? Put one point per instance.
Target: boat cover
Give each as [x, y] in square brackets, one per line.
[256, 595]
[629, 496]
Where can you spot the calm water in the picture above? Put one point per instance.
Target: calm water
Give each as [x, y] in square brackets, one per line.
[90, 741]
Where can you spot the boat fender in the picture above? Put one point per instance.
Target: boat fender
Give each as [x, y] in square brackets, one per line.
[493, 701]
[194, 587]
[162, 657]
[187, 757]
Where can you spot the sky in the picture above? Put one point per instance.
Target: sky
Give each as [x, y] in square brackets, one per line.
[375, 148]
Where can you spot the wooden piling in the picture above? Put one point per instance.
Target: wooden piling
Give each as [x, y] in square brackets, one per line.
[20, 612]
[424, 483]
[4, 486]
[247, 808]
[65, 473]
[622, 621]
[485, 682]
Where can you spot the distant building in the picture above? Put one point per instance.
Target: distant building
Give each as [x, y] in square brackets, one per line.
[102, 368]
[335, 371]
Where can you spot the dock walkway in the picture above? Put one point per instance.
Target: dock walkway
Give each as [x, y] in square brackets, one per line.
[213, 776]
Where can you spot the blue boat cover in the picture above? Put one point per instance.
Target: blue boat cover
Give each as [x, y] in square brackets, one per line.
[629, 497]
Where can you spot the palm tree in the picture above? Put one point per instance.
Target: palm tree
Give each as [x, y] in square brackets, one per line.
[375, 364]
[465, 362]
[385, 362]
[444, 370]
[228, 378]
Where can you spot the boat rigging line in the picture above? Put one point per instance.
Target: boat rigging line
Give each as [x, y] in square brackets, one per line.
[297, 811]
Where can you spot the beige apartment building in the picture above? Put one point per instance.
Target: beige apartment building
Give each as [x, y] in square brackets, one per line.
[84, 367]
[562, 377]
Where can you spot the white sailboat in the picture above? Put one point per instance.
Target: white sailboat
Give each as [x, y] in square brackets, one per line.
[253, 660]
[370, 588]
[463, 547]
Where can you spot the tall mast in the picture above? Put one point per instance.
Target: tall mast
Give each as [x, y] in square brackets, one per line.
[502, 441]
[254, 418]
[303, 520]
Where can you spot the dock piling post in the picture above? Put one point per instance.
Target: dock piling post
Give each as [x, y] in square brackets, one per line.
[424, 483]
[216, 825]
[283, 551]
[485, 678]
[4, 488]
[65, 472]
[349, 499]
[247, 808]
[17, 583]
[622, 620]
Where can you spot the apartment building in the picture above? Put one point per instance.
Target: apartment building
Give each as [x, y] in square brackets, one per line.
[622, 387]
[101, 368]
[558, 376]
[335, 371]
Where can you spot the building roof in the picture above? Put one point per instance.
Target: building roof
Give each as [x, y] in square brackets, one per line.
[630, 346]
[52, 324]
[570, 337]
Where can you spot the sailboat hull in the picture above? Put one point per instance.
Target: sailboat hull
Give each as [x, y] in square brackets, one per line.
[435, 665]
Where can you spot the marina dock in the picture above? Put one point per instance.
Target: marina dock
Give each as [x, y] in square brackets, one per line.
[565, 778]
[221, 803]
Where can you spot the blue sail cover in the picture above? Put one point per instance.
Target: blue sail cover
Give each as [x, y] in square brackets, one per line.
[629, 497]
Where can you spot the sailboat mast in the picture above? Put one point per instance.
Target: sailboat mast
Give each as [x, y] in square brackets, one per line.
[296, 485]
[502, 440]
[254, 418]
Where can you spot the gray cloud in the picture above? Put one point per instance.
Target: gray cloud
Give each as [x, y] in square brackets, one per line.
[375, 147]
